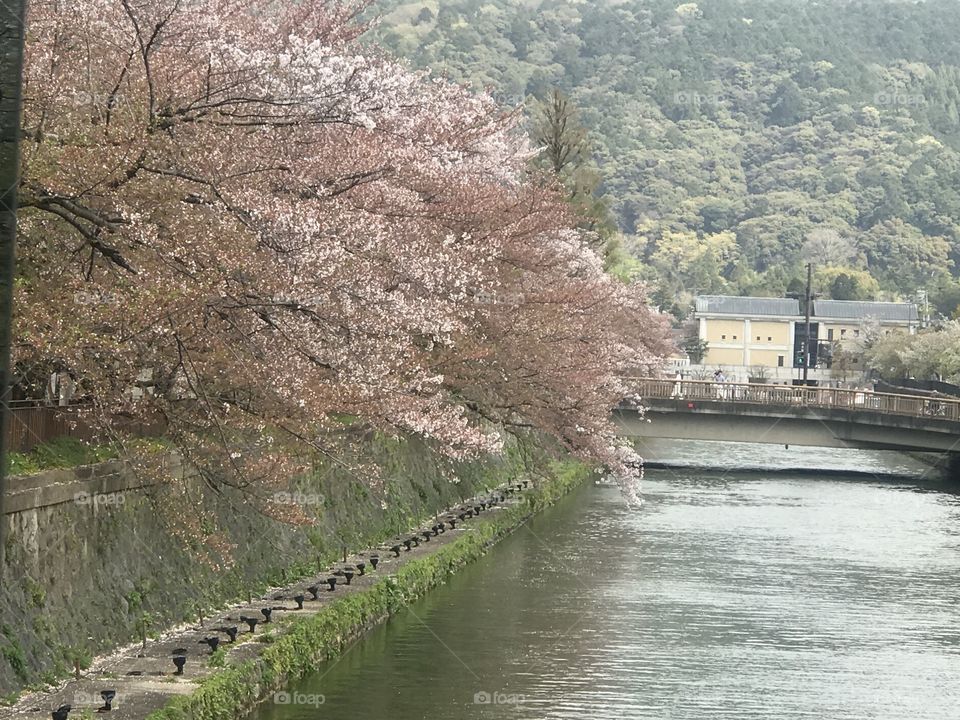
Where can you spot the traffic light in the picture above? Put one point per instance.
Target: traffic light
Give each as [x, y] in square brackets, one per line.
[798, 355]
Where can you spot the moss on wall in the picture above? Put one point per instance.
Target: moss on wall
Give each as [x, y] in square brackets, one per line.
[80, 579]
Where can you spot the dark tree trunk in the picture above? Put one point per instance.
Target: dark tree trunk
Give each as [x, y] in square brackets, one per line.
[11, 71]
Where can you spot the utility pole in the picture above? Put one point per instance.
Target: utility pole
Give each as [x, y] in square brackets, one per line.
[806, 340]
[924, 306]
[11, 77]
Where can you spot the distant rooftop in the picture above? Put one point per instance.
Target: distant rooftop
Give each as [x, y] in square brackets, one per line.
[747, 306]
[856, 310]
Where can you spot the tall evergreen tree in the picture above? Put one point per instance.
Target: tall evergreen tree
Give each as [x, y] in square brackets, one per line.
[566, 152]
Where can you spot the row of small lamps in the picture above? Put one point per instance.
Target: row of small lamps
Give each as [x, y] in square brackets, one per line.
[347, 573]
[458, 515]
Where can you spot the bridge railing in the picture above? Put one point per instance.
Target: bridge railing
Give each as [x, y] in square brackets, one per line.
[789, 395]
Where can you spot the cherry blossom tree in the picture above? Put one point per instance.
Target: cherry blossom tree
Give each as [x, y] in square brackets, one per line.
[237, 218]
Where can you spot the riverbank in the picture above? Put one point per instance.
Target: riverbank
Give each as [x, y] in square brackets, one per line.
[229, 682]
[98, 555]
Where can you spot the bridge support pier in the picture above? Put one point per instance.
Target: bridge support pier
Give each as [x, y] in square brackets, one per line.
[950, 470]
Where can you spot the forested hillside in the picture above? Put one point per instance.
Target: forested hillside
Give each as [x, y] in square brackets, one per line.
[738, 139]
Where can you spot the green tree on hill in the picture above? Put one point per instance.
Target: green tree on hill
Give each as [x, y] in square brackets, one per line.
[765, 119]
[566, 151]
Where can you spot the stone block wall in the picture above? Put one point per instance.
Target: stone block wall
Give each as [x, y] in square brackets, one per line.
[95, 552]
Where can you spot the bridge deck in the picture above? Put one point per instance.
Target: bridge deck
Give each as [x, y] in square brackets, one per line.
[824, 417]
[811, 397]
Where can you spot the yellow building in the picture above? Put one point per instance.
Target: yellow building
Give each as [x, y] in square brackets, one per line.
[747, 331]
[845, 319]
[753, 331]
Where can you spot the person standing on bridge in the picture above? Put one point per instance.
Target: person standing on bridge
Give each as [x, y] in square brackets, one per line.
[719, 378]
[677, 386]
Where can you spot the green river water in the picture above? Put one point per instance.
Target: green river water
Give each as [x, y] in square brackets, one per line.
[732, 594]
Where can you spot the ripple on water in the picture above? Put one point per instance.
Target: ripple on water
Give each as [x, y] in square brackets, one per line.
[732, 597]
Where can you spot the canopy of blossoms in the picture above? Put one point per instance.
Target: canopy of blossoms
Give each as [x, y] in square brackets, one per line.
[272, 228]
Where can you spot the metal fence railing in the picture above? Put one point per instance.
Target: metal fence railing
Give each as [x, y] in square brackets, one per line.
[33, 423]
[798, 396]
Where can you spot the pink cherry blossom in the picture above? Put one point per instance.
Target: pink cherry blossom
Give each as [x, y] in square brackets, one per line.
[293, 236]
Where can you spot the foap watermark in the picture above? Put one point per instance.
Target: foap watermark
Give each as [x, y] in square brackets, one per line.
[98, 499]
[92, 97]
[894, 98]
[485, 297]
[104, 700]
[507, 99]
[690, 97]
[297, 498]
[299, 698]
[498, 698]
[96, 298]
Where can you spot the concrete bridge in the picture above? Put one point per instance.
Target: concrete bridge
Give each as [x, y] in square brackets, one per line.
[787, 415]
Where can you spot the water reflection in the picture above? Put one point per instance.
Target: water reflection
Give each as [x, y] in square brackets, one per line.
[728, 596]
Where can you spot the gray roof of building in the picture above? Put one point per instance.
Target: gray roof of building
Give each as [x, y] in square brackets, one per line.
[747, 306]
[856, 310]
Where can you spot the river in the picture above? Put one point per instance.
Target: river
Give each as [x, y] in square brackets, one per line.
[732, 594]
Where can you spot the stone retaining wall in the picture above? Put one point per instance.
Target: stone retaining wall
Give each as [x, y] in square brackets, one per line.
[94, 553]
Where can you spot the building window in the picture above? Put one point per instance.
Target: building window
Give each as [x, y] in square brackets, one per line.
[758, 338]
[830, 334]
[734, 337]
[723, 337]
[856, 333]
[842, 333]
[779, 360]
[769, 339]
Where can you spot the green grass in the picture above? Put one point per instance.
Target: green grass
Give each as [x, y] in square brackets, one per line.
[11, 651]
[218, 658]
[59, 453]
[69, 452]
